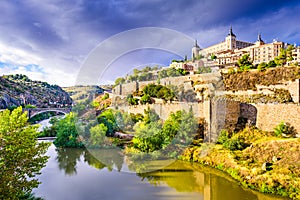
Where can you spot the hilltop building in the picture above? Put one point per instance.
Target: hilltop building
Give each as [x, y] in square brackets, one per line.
[230, 43]
[230, 50]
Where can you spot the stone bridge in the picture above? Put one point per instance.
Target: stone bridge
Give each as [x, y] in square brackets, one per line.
[35, 111]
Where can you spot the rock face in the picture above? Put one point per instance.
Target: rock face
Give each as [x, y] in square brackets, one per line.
[16, 90]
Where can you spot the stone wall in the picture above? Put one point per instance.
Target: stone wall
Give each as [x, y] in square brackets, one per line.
[164, 110]
[270, 115]
[224, 114]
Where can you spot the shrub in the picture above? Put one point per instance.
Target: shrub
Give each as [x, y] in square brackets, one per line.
[145, 99]
[98, 134]
[285, 130]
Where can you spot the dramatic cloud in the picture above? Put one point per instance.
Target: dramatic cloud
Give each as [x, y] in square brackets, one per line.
[57, 35]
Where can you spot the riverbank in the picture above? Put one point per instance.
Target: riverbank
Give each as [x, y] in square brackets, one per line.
[269, 164]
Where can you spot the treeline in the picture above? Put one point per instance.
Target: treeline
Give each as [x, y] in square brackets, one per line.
[148, 74]
[149, 131]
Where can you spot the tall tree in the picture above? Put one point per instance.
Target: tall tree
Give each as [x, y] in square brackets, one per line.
[21, 156]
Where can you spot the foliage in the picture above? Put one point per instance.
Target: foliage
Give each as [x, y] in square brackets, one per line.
[171, 72]
[51, 130]
[262, 66]
[213, 57]
[131, 100]
[148, 137]
[159, 91]
[284, 56]
[182, 72]
[231, 141]
[204, 70]
[179, 128]
[146, 99]
[119, 81]
[244, 63]
[21, 156]
[66, 132]
[285, 130]
[109, 120]
[30, 106]
[177, 131]
[98, 133]
[106, 96]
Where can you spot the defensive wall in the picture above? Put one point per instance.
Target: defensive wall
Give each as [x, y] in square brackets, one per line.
[219, 113]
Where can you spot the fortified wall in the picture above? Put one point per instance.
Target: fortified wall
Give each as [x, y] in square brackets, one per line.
[270, 115]
[186, 81]
[219, 113]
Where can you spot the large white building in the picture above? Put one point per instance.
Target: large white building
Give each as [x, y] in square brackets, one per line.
[230, 43]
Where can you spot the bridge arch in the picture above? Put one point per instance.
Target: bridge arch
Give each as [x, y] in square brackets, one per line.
[36, 111]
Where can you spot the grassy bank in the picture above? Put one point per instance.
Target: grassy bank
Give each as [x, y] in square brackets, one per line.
[267, 163]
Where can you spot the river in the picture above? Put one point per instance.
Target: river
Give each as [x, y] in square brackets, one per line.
[76, 175]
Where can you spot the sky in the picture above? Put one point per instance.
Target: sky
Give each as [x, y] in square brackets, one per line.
[52, 40]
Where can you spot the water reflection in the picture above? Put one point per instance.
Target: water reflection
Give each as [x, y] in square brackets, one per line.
[67, 159]
[79, 174]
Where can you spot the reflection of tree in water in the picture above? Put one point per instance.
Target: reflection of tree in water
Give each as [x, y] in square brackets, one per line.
[92, 161]
[110, 157]
[67, 159]
[177, 175]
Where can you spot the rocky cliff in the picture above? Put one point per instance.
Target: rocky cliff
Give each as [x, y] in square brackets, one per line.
[16, 90]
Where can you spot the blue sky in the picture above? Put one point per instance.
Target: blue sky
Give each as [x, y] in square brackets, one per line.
[56, 36]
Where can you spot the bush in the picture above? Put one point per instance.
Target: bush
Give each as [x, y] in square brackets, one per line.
[146, 99]
[67, 134]
[98, 134]
[285, 130]
[234, 142]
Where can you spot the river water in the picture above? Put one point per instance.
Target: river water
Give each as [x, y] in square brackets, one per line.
[75, 174]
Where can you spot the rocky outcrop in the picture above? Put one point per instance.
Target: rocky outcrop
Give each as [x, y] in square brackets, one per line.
[16, 90]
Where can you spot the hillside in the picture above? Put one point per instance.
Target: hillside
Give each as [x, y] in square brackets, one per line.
[84, 93]
[16, 90]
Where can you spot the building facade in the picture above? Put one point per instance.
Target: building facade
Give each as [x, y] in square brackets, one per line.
[230, 43]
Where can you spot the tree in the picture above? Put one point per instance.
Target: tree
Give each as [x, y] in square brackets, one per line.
[119, 81]
[262, 66]
[245, 63]
[271, 64]
[67, 133]
[281, 59]
[213, 57]
[21, 156]
[145, 99]
[98, 133]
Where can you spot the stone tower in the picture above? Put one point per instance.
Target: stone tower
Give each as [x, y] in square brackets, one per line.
[259, 40]
[195, 51]
[230, 40]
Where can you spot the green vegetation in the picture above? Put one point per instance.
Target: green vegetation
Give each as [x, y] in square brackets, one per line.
[146, 98]
[21, 156]
[119, 81]
[284, 56]
[159, 91]
[204, 70]
[285, 130]
[15, 89]
[259, 160]
[174, 135]
[66, 132]
[50, 131]
[244, 63]
[131, 100]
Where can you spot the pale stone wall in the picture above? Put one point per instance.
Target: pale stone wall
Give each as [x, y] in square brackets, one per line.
[164, 110]
[270, 115]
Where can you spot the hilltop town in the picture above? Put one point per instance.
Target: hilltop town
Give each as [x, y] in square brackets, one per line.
[244, 98]
[250, 83]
